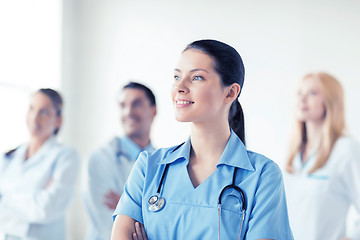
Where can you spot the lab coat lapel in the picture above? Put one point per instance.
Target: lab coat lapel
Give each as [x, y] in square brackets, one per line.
[43, 152]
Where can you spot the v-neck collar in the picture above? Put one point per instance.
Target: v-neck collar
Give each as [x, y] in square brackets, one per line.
[234, 154]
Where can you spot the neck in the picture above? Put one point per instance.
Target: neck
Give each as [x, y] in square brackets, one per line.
[34, 146]
[208, 142]
[142, 142]
[314, 135]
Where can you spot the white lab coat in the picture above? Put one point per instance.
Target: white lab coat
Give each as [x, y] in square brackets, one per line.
[318, 203]
[36, 192]
[108, 169]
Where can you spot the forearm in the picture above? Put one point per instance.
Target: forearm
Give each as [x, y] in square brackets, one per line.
[123, 228]
[40, 207]
[100, 215]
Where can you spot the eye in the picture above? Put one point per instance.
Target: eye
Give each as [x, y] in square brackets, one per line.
[176, 78]
[313, 93]
[44, 112]
[197, 78]
[137, 103]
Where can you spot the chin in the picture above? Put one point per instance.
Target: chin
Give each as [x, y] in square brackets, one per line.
[301, 117]
[181, 119]
[34, 134]
[133, 133]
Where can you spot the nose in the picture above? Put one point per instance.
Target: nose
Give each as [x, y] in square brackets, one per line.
[125, 111]
[33, 116]
[302, 97]
[128, 111]
[180, 86]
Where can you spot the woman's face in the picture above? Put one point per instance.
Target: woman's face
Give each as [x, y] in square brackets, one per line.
[41, 117]
[310, 101]
[197, 92]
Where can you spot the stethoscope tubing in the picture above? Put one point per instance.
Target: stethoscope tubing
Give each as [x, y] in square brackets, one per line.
[159, 202]
[243, 200]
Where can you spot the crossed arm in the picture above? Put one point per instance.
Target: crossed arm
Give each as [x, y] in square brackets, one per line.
[126, 228]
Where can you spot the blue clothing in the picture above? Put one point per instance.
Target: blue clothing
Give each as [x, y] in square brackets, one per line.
[108, 169]
[192, 213]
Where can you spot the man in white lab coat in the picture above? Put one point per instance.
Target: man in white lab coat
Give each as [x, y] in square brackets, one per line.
[109, 166]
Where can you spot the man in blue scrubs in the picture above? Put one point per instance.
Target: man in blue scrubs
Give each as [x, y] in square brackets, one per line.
[109, 166]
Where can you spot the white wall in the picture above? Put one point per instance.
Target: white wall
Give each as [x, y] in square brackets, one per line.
[109, 42]
[30, 58]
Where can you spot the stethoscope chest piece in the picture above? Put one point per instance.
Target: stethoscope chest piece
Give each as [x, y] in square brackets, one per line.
[156, 203]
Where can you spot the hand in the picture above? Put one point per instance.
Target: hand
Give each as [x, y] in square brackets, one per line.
[111, 199]
[139, 233]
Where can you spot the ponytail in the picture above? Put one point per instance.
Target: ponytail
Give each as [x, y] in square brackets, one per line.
[230, 67]
[236, 120]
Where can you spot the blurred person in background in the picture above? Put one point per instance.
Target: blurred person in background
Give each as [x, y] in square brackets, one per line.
[109, 166]
[37, 178]
[323, 167]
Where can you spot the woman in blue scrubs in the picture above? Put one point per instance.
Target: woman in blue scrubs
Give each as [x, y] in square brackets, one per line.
[174, 193]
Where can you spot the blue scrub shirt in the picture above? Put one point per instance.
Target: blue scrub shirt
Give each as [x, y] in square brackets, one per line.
[192, 213]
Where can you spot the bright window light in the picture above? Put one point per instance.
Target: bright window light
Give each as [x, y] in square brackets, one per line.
[30, 47]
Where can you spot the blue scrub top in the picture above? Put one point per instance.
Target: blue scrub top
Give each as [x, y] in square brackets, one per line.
[192, 213]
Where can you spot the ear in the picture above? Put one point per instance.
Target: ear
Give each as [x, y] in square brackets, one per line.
[154, 111]
[59, 122]
[232, 92]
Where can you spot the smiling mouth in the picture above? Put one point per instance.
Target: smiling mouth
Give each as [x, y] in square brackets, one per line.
[184, 102]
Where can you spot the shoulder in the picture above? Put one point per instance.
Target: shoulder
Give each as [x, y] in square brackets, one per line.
[345, 148]
[63, 152]
[262, 163]
[266, 172]
[152, 161]
[11, 153]
[107, 150]
[346, 143]
[345, 153]
[162, 153]
[158, 155]
[7, 157]
[62, 148]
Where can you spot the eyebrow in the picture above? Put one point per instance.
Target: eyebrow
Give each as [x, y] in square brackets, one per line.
[193, 70]
[136, 100]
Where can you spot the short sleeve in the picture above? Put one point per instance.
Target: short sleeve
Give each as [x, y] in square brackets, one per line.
[131, 200]
[269, 217]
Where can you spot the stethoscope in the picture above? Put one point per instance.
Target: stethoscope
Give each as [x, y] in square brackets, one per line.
[236, 188]
[156, 202]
